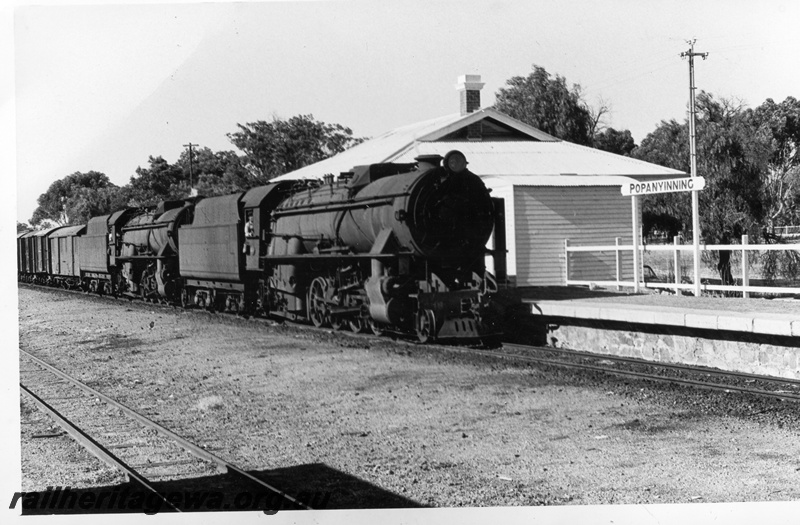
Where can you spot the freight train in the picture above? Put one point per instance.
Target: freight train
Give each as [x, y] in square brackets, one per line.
[383, 247]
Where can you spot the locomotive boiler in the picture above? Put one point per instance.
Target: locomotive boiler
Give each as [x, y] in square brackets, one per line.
[389, 246]
[146, 251]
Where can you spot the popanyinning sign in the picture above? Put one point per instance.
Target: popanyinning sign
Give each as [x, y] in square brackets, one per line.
[664, 186]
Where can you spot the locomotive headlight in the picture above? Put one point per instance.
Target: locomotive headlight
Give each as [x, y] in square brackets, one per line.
[455, 161]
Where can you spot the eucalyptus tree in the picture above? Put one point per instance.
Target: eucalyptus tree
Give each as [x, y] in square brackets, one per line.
[282, 146]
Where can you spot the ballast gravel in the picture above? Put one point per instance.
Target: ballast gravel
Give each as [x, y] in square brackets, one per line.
[378, 423]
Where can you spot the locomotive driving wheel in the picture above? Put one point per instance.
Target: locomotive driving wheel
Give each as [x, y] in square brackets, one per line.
[426, 326]
[337, 323]
[317, 309]
[148, 287]
[376, 327]
[357, 324]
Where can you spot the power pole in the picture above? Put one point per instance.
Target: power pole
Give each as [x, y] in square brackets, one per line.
[693, 161]
[65, 218]
[191, 167]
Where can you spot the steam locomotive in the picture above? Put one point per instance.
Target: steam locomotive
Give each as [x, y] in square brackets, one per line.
[384, 247]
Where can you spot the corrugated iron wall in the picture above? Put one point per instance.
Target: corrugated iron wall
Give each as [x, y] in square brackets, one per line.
[545, 216]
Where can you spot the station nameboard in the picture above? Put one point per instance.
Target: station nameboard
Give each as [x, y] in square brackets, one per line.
[664, 186]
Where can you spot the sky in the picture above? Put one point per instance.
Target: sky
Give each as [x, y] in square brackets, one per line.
[103, 87]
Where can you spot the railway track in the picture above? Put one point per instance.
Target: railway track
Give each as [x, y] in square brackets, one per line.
[676, 374]
[145, 451]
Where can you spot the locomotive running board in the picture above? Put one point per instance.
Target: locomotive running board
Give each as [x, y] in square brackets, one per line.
[318, 256]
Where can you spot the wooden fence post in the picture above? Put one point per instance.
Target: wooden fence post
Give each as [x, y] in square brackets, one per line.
[676, 262]
[619, 265]
[637, 259]
[745, 270]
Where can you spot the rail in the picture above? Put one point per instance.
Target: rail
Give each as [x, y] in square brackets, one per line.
[746, 287]
[187, 445]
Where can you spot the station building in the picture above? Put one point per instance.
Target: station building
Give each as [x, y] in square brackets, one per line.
[551, 190]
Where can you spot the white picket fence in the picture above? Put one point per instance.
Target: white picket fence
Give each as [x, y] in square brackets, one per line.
[787, 231]
[677, 249]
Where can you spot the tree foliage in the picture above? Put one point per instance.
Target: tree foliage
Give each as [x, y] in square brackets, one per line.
[160, 181]
[270, 149]
[281, 146]
[730, 158]
[76, 198]
[779, 126]
[216, 173]
[613, 141]
[733, 159]
[549, 104]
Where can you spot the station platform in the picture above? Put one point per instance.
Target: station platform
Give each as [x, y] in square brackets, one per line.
[751, 335]
[759, 316]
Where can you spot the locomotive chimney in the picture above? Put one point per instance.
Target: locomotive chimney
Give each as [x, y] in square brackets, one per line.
[470, 88]
[428, 162]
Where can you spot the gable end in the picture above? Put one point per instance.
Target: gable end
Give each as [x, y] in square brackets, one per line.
[491, 130]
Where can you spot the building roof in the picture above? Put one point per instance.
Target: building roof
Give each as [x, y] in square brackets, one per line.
[557, 180]
[537, 159]
[509, 148]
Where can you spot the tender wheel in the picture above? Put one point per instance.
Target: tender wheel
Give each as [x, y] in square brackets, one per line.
[317, 311]
[214, 303]
[426, 326]
[186, 300]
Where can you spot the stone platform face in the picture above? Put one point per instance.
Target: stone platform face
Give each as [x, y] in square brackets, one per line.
[757, 342]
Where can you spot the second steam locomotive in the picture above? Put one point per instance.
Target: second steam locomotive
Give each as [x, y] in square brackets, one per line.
[386, 247]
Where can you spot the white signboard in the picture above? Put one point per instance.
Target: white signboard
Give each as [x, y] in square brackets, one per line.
[664, 186]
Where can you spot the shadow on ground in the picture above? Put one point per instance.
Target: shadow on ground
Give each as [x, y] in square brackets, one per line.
[315, 485]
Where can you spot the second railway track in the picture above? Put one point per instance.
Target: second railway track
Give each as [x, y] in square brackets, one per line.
[145, 451]
[673, 373]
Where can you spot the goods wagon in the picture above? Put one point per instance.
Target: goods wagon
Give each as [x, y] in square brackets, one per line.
[64, 262]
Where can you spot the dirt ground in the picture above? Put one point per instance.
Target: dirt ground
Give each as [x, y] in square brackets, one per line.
[385, 424]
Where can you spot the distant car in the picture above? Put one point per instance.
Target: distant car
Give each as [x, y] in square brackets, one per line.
[650, 276]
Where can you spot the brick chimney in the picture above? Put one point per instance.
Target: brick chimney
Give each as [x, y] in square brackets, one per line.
[470, 88]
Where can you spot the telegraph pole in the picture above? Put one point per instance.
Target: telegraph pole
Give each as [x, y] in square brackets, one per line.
[191, 168]
[693, 160]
